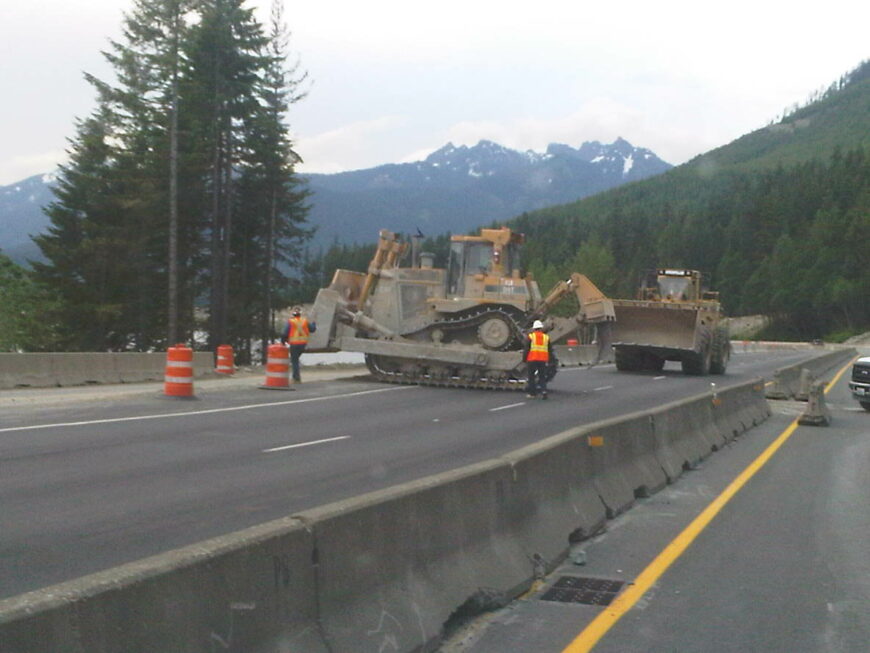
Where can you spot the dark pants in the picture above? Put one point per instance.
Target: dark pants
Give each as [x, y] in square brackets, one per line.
[295, 353]
[537, 377]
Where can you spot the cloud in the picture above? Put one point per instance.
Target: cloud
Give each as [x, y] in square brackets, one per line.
[348, 147]
[20, 167]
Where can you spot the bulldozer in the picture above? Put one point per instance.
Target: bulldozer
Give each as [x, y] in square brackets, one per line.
[673, 318]
[460, 326]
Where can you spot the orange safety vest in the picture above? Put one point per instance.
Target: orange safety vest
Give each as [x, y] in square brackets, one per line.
[539, 350]
[299, 331]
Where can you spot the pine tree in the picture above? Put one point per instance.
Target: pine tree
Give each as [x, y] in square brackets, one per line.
[271, 206]
[88, 246]
[226, 59]
[145, 107]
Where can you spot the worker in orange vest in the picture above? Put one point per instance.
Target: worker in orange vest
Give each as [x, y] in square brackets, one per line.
[296, 332]
[538, 352]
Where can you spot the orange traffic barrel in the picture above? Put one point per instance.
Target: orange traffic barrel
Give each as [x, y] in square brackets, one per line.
[225, 363]
[277, 368]
[178, 380]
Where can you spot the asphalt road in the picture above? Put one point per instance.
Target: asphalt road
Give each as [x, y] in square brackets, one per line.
[89, 482]
[783, 567]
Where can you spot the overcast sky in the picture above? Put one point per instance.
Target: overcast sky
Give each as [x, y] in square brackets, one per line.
[394, 80]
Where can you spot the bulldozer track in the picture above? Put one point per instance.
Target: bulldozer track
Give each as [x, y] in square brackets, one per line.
[413, 372]
[476, 318]
[483, 381]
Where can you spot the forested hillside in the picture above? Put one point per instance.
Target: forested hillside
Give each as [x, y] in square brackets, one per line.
[779, 219]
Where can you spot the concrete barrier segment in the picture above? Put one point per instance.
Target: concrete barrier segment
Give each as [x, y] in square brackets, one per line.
[577, 355]
[624, 461]
[203, 364]
[787, 380]
[555, 478]
[804, 385]
[252, 591]
[26, 370]
[785, 384]
[685, 434]
[80, 368]
[135, 367]
[816, 413]
[394, 565]
[739, 408]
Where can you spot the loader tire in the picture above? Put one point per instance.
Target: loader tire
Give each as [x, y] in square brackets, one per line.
[721, 351]
[698, 363]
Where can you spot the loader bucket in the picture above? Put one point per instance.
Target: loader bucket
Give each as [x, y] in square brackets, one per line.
[664, 326]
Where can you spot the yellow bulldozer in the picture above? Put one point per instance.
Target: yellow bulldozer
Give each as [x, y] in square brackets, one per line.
[459, 326]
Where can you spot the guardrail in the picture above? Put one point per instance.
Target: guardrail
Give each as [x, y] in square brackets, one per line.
[81, 368]
[388, 569]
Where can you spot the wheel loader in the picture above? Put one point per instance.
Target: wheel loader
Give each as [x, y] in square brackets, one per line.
[672, 319]
[460, 326]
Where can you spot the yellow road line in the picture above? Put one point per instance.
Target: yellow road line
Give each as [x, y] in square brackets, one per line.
[606, 619]
[840, 373]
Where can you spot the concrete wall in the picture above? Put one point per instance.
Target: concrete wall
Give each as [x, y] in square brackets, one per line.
[387, 570]
[62, 369]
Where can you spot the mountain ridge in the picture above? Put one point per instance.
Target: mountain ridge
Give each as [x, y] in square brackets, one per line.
[455, 188]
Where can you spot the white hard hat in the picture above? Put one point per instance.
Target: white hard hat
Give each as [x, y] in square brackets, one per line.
[538, 325]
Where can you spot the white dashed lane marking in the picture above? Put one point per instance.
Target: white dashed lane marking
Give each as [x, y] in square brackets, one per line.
[522, 403]
[306, 444]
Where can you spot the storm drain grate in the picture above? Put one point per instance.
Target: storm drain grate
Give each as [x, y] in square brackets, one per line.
[589, 591]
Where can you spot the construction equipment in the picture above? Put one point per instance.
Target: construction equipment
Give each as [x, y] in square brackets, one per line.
[463, 326]
[672, 319]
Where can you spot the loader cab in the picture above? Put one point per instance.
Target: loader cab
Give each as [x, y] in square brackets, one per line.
[479, 262]
[666, 284]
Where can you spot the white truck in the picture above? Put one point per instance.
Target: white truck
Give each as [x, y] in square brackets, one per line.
[860, 383]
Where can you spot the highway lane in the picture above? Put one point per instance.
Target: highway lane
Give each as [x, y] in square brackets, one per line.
[89, 485]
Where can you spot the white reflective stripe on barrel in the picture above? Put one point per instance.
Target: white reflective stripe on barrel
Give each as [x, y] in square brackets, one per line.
[179, 363]
[179, 379]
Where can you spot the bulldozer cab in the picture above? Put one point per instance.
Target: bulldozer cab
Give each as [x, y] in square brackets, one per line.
[488, 264]
[671, 285]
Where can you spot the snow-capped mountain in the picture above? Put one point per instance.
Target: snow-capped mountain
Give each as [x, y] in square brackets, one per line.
[459, 188]
[21, 215]
[456, 188]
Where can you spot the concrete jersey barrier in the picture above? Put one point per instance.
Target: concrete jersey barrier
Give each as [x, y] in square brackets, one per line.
[787, 380]
[81, 368]
[386, 570]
